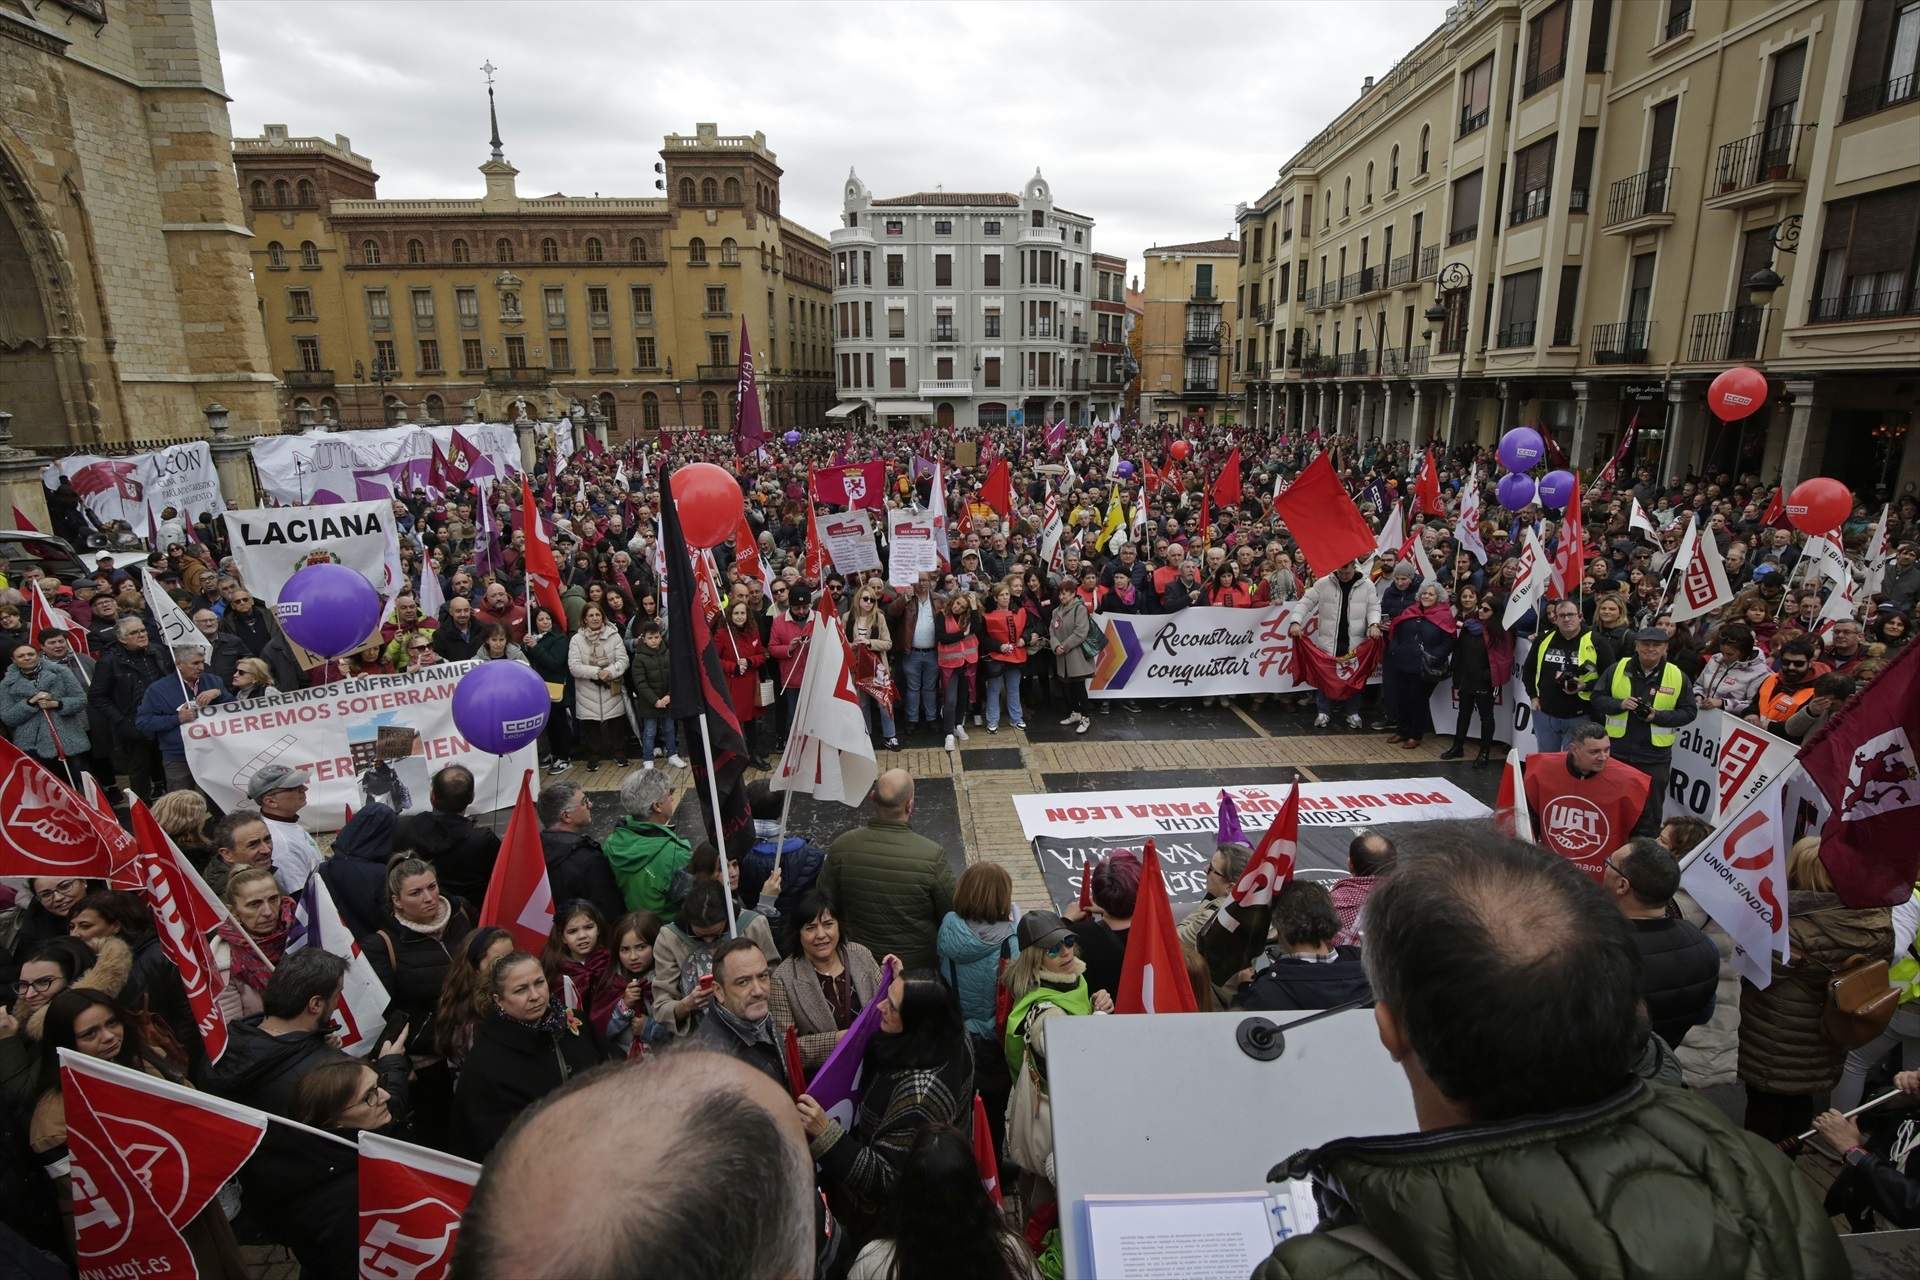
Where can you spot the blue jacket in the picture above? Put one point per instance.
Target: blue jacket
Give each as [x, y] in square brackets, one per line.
[158, 715]
[800, 863]
[970, 964]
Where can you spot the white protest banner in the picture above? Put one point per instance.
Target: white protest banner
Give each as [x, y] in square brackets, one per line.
[319, 467]
[1739, 877]
[1195, 653]
[271, 544]
[127, 488]
[369, 738]
[910, 547]
[848, 538]
[1719, 763]
[176, 628]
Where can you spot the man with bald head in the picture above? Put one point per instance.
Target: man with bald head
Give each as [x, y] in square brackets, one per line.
[890, 886]
[701, 1168]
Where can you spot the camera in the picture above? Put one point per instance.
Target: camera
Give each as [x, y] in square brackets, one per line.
[1572, 681]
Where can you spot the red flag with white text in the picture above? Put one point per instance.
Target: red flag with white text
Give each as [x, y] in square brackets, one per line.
[1239, 930]
[411, 1202]
[118, 1227]
[519, 897]
[746, 558]
[1570, 555]
[1154, 977]
[183, 920]
[45, 829]
[543, 570]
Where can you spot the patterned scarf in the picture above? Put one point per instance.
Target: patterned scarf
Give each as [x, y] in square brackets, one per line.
[247, 965]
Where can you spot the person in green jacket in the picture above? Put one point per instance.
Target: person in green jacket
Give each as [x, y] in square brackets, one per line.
[644, 850]
[1507, 992]
[890, 886]
[1047, 977]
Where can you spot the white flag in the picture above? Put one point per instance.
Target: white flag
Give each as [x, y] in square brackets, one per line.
[1071, 480]
[1739, 877]
[829, 755]
[1535, 572]
[1839, 606]
[1827, 558]
[1637, 519]
[1703, 575]
[176, 627]
[360, 1017]
[1466, 530]
[1392, 535]
[1113, 468]
[1876, 557]
[1139, 525]
[1422, 562]
[937, 500]
[432, 597]
[620, 475]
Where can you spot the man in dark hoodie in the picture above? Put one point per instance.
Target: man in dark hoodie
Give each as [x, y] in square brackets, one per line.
[1308, 971]
[461, 851]
[269, 1052]
[356, 874]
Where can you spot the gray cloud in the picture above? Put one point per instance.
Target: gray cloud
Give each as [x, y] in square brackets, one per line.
[1155, 118]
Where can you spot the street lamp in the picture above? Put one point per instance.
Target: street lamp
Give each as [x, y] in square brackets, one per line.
[383, 373]
[1455, 277]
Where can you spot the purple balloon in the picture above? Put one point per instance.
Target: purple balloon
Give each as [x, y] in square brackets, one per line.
[501, 706]
[329, 609]
[792, 437]
[1556, 489]
[1522, 449]
[1515, 491]
[1126, 468]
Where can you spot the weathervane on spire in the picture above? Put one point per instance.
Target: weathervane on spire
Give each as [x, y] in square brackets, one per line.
[493, 117]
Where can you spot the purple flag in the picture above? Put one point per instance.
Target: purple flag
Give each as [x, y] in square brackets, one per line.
[836, 1085]
[749, 436]
[1056, 435]
[1231, 831]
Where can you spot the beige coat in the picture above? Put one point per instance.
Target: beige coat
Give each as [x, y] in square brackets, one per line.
[587, 653]
[670, 953]
[799, 1003]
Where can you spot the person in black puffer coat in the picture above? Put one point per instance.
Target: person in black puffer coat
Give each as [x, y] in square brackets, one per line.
[525, 1048]
[1419, 643]
[1308, 971]
[153, 985]
[1679, 965]
[411, 952]
[356, 874]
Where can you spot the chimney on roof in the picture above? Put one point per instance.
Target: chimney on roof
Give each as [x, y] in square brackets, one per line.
[1366, 85]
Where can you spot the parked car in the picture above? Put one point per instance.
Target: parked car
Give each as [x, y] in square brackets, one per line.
[55, 555]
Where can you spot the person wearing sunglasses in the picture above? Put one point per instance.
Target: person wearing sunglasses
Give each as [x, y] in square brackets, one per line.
[1046, 979]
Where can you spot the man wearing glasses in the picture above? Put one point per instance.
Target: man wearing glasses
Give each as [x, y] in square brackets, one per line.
[1789, 689]
[120, 681]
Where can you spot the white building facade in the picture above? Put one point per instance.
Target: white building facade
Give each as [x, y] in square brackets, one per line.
[964, 310]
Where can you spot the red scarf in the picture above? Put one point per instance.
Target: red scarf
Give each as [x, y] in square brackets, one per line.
[1438, 614]
[246, 964]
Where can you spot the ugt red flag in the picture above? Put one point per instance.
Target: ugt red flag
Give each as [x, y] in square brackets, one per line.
[543, 571]
[184, 921]
[519, 897]
[748, 433]
[1239, 930]
[1426, 488]
[44, 615]
[1863, 761]
[411, 1202]
[118, 1227]
[45, 830]
[1570, 556]
[1322, 518]
[1154, 977]
[852, 484]
[1226, 487]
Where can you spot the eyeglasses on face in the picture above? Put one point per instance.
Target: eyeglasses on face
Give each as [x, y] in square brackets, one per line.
[38, 986]
[60, 890]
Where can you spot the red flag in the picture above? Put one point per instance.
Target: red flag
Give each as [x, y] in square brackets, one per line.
[543, 571]
[1239, 930]
[983, 1151]
[1206, 518]
[461, 458]
[184, 920]
[1570, 555]
[1426, 488]
[1086, 885]
[43, 615]
[45, 830]
[1338, 677]
[1608, 472]
[1226, 488]
[21, 522]
[1776, 513]
[1154, 978]
[123, 854]
[437, 470]
[1322, 518]
[746, 558]
[597, 450]
[815, 568]
[796, 1066]
[118, 1229]
[411, 1202]
[852, 484]
[1864, 762]
[182, 1145]
[519, 898]
[997, 492]
[1510, 816]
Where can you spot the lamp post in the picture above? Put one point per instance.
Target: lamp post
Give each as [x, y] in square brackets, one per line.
[1455, 277]
[382, 375]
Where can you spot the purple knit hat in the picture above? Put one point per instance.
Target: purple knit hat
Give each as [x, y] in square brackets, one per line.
[1230, 829]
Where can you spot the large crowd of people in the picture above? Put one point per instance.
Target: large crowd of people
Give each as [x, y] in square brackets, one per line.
[1561, 1024]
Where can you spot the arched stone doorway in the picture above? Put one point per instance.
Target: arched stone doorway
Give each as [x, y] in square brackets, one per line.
[40, 325]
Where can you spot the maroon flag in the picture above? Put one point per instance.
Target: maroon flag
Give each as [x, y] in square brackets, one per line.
[1612, 469]
[1864, 762]
[22, 523]
[411, 1201]
[462, 457]
[1322, 518]
[184, 921]
[437, 470]
[852, 484]
[748, 432]
[1338, 677]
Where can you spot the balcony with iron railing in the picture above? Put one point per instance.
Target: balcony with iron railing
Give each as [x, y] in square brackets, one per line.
[1885, 304]
[1209, 387]
[1543, 78]
[1204, 294]
[1202, 335]
[1429, 262]
[1462, 235]
[1403, 364]
[719, 373]
[1314, 298]
[1625, 342]
[1528, 205]
[1470, 121]
[519, 376]
[302, 379]
[1679, 20]
[944, 333]
[1878, 97]
[1519, 334]
[1350, 364]
[1400, 271]
[1452, 340]
[1760, 168]
[1079, 337]
[1715, 337]
[1642, 202]
[1317, 366]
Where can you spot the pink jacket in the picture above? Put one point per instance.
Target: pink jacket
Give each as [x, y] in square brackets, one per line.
[788, 643]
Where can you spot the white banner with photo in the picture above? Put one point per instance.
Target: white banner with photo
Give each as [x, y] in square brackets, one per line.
[131, 487]
[323, 467]
[911, 547]
[369, 738]
[271, 544]
[848, 538]
[1088, 815]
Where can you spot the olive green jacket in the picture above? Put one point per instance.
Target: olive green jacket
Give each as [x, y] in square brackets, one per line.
[890, 888]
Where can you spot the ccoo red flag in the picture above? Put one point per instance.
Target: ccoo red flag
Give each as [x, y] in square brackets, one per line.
[519, 897]
[411, 1202]
[1863, 759]
[1226, 487]
[1322, 518]
[543, 571]
[184, 920]
[1154, 977]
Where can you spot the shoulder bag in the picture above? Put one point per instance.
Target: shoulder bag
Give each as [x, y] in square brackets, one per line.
[1860, 1002]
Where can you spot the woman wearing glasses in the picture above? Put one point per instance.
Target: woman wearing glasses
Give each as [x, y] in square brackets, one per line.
[49, 904]
[870, 639]
[53, 967]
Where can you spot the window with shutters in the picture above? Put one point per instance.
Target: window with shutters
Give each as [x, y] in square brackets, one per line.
[990, 271]
[896, 271]
[990, 323]
[897, 372]
[1599, 31]
[1532, 180]
[379, 309]
[1519, 309]
[990, 371]
[1578, 199]
[556, 305]
[559, 353]
[1476, 96]
[1564, 306]
[943, 269]
[645, 354]
[1783, 107]
[308, 349]
[1546, 49]
[603, 354]
[642, 304]
[1463, 220]
[1869, 257]
[896, 322]
[423, 310]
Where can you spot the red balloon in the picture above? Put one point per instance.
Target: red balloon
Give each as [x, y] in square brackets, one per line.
[709, 501]
[1738, 393]
[1819, 505]
[1179, 449]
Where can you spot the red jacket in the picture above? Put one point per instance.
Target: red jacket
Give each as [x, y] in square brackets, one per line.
[743, 688]
[788, 642]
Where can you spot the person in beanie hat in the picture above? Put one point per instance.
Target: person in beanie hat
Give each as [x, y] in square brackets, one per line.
[1401, 593]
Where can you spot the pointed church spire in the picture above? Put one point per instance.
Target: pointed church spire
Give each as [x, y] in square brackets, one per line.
[493, 116]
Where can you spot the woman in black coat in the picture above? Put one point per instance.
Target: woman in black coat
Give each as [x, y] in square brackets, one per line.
[528, 1046]
[1472, 674]
[1419, 645]
[411, 953]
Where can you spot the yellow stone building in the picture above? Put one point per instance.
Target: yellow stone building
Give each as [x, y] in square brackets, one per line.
[1189, 317]
[126, 305]
[434, 310]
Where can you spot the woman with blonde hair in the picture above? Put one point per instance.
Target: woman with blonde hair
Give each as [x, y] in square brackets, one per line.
[1047, 979]
[183, 815]
[1786, 1059]
[251, 679]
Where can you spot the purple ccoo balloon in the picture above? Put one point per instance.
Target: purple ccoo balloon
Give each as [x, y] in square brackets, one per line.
[329, 609]
[792, 437]
[500, 707]
[1556, 489]
[1515, 491]
[1126, 468]
[1522, 449]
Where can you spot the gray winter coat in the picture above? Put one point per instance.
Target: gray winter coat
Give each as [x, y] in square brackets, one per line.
[1068, 628]
[27, 727]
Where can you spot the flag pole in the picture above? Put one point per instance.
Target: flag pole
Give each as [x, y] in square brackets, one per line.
[60, 748]
[719, 831]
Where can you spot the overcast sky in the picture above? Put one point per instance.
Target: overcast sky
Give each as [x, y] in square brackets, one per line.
[1156, 119]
